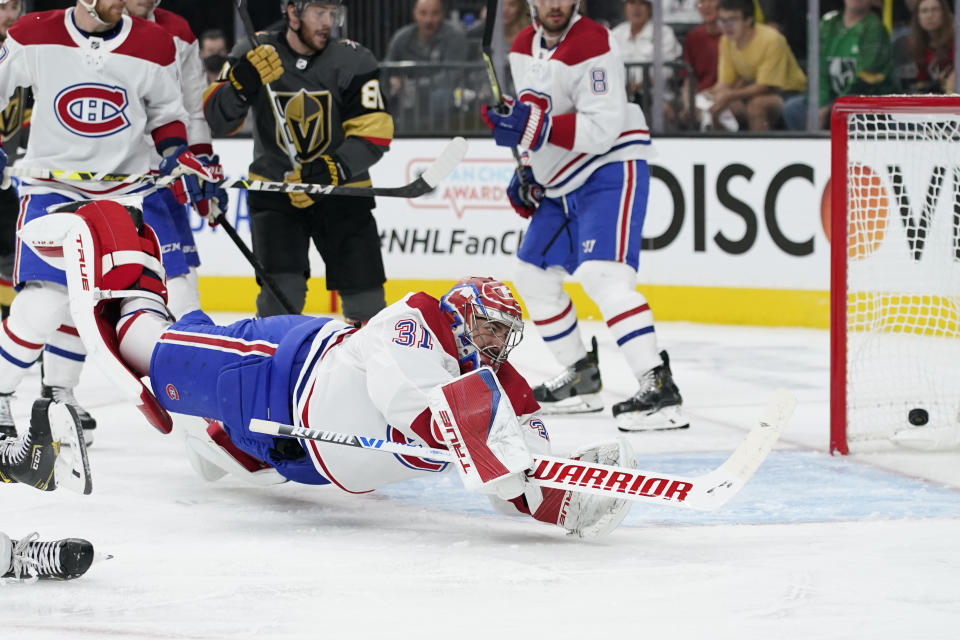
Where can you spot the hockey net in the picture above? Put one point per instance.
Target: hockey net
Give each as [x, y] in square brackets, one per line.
[895, 282]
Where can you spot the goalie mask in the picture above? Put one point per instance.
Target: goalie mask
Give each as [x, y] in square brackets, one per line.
[485, 319]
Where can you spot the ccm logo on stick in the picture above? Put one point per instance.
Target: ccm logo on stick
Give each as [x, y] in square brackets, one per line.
[92, 110]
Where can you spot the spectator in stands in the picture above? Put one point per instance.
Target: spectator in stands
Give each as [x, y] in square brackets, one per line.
[635, 37]
[789, 17]
[680, 11]
[434, 41]
[756, 71]
[855, 59]
[930, 44]
[213, 42]
[700, 51]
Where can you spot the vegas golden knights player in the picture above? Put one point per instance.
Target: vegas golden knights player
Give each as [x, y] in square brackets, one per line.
[328, 94]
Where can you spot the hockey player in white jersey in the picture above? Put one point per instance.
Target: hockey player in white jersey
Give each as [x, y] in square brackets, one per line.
[585, 192]
[102, 82]
[385, 380]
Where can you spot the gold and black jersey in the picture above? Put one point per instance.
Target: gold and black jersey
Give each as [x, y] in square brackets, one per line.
[15, 120]
[329, 102]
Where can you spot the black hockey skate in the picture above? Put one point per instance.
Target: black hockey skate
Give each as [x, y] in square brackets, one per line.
[576, 390]
[31, 458]
[656, 406]
[65, 396]
[8, 429]
[33, 559]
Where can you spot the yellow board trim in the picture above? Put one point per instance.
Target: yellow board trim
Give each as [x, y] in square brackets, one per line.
[712, 305]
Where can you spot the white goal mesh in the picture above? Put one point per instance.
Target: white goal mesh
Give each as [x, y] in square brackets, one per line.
[902, 265]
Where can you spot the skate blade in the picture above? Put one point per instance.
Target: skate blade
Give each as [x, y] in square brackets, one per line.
[666, 419]
[587, 403]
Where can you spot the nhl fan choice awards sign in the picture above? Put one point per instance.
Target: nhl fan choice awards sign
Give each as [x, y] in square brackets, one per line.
[726, 213]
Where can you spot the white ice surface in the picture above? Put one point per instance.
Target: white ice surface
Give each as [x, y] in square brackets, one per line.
[814, 547]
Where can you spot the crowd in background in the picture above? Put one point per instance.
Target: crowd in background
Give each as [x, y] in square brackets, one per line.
[729, 65]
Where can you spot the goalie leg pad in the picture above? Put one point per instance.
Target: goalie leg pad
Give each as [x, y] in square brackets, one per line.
[478, 423]
[107, 254]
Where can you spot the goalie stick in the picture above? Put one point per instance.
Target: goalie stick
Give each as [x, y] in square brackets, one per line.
[445, 163]
[706, 492]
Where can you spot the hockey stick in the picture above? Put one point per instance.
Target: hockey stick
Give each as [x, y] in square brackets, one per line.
[445, 163]
[289, 145]
[486, 52]
[706, 492]
[267, 280]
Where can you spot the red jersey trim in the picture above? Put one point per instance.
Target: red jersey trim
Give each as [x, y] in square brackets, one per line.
[150, 42]
[45, 27]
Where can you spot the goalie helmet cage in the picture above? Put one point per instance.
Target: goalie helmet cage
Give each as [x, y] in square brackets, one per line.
[895, 272]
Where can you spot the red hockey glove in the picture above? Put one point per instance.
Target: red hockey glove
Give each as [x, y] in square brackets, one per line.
[517, 124]
[198, 177]
[525, 198]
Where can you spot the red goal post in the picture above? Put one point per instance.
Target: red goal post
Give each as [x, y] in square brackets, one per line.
[895, 273]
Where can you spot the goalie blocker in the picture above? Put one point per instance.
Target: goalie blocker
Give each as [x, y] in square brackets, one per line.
[493, 451]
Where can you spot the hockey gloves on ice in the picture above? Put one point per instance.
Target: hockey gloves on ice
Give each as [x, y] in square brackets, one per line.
[524, 197]
[259, 67]
[517, 124]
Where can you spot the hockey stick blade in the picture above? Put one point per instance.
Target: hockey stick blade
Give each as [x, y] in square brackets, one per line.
[442, 167]
[706, 492]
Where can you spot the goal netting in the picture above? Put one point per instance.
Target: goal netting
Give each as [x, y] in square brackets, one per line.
[895, 284]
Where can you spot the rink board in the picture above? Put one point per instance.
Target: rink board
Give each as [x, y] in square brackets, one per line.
[733, 232]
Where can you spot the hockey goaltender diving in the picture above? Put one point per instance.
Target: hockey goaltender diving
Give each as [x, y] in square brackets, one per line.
[422, 372]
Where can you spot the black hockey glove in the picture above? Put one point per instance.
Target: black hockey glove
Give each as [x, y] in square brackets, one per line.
[259, 67]
[327, 169]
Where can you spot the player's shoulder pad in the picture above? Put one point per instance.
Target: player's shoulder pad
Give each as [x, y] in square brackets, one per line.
[349, 60]
[518, 390]
[148, 41]
[585, 40]
[429, 308]
[44, 27]
[174, 24]
[523, 43]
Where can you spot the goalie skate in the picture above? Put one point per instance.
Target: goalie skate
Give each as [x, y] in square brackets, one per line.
[656, 406]
[575, 390]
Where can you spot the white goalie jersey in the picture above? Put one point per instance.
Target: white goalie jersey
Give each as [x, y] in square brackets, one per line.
[376, 382]
[96, 96]
[580, 84]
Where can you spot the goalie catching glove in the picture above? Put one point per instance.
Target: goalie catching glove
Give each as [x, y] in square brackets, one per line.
[259, 67]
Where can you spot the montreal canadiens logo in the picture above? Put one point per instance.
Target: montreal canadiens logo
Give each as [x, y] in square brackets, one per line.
[92, 110]
[172, 392]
